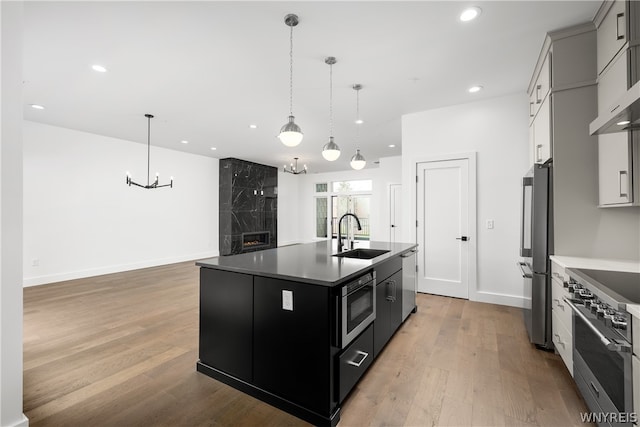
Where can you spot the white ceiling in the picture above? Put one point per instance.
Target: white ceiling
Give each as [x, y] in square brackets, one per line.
[207, 70]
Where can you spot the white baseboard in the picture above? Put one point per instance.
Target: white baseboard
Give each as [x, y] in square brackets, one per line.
[289, 242]
[80, 274]
[23, 422]
[500, 299]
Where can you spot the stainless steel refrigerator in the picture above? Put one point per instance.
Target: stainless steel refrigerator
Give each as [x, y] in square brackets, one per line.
[536, 244]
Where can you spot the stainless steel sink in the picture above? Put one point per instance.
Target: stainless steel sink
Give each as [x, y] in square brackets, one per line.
[361, 253]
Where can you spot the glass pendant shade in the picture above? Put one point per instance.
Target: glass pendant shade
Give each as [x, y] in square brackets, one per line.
[331, 151]
[357, 161]
[290, 134]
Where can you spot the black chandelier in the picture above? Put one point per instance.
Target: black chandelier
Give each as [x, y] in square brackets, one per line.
[294, 168]
[155, 183]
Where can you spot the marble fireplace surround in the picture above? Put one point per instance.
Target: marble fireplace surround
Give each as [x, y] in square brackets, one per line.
[248, 205]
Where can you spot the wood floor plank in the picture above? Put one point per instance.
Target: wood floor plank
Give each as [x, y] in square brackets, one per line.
[120, 350]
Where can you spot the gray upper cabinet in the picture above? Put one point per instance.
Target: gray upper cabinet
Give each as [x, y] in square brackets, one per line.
[617, 58]
[612, 32]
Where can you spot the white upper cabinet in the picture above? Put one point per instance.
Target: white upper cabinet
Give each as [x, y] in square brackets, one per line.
[612, 33]
[617, 57]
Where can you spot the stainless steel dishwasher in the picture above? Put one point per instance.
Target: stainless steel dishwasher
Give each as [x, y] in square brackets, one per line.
[408, 283]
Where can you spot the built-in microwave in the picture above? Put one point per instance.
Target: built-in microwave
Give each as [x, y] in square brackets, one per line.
[356, 308]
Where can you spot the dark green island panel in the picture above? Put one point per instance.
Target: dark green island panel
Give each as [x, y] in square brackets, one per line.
[270, 324]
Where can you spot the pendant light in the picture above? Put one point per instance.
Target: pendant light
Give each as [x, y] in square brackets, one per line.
[330, 151]
[357, 161]
[290, 134]
[149, 185]
[294, 168]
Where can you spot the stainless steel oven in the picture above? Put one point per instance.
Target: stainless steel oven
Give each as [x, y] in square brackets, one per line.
[602, 343]
[357, 307]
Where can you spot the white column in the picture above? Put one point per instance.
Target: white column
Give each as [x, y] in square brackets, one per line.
[11, 214]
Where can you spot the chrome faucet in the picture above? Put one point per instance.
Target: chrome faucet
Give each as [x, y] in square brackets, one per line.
[340, 228]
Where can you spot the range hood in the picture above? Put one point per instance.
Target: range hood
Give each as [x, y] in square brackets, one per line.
[622, 116]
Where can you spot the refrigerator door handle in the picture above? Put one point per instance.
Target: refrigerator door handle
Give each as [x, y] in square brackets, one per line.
[526, 275]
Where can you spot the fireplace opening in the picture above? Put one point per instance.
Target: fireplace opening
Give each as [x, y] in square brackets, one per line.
[255, 240]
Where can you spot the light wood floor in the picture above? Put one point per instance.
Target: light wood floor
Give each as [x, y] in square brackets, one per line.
[120, 350]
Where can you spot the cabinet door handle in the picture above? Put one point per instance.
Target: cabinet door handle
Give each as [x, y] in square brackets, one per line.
[620, 181]
[538, 100]
[560, 341]
[531, 109]
[538, 152]
[363, 356]
[618, 35]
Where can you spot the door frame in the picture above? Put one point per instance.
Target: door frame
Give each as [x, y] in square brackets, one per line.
[399, 219]
[471, 157]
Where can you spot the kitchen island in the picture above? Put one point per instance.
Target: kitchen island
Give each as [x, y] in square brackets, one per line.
[297, 326]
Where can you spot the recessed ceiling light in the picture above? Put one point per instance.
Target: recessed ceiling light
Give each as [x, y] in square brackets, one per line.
[470, 14]
[184, 141]
[624, 122]
[99, 68]
[214, 148]
[37, 107]
[252, 126]
[392, 145]
[474, 89]
[359, 121]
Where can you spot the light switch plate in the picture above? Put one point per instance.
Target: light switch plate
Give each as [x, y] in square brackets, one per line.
[490, 224]
[287, 300]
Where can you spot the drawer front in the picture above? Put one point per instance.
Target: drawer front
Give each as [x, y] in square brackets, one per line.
[354, 361]
[562, 340]
[557, 272]
[635, 336]
[558, 305]
[635, 368]
[387, 268]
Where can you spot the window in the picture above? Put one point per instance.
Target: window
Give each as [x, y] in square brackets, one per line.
[321, 217]
[342, 197]
[352, 186]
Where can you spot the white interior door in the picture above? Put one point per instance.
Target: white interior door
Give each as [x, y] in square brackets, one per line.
[443, 227]
[395, 214]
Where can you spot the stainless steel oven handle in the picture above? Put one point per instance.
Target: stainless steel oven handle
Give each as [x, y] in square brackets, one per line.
[357, 364]
[611, 345]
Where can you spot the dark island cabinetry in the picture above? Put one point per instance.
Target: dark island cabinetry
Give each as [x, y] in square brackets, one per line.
[388, 303]
[226, 322]
[294, 326]
[292, 348]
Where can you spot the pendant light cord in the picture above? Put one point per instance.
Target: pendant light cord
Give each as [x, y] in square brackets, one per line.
[330, 99]
[291, 71]
[148, 148]
[357, 115]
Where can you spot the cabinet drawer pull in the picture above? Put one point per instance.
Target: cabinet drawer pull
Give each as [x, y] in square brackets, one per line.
[618, 35]
[531, 109]
[559, 341]
[595, 389]
[538, 152]
[620, 181]
[363, 356]
[538, 100]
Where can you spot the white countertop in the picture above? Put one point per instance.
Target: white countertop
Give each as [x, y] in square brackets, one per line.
[597, 263]
[602, 264]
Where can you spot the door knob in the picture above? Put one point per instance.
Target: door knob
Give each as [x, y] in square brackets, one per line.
[463, 238]
[392, 226]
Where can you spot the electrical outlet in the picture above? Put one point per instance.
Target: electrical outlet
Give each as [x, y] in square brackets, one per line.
[287, 300]
[490, 224]
[35, 262]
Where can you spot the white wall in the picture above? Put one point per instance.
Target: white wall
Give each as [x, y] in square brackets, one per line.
[81, 219]
[288, 209]
[497, 130]
[388, 172]
[11, 215]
